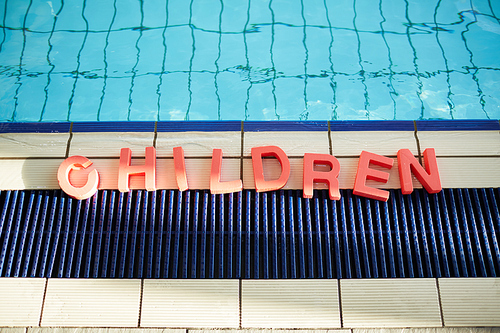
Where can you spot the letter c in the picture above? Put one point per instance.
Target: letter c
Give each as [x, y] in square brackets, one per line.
[77, 163]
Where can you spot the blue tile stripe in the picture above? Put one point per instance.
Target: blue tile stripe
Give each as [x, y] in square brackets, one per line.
[250, 126]
[198, 126]
[372, 125]
[270, 126]
[114, 126]
[458, 125]
[35, 127]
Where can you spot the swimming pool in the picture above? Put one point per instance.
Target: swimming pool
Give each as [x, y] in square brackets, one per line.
[89, 60]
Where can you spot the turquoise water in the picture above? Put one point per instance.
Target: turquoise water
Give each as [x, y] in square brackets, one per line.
[91, 60]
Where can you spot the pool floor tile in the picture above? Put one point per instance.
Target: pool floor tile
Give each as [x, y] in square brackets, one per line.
[290, 304]
[92, 303]
[471, 301]
[190, 303]
[390, 303]
[21, 301]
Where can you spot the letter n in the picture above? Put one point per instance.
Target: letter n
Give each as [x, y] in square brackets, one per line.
[428, 177]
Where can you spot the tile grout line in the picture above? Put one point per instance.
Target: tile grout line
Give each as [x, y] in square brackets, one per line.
[141, 298]
[417, 141]
[43, 301]
[440, 303]
[240, 288]
[340, 304]
[68, 145]
[330, 138]
[155, 134]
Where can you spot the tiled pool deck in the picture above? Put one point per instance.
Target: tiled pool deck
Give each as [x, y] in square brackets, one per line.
[468, 155]
[468, 152]
[290, 304]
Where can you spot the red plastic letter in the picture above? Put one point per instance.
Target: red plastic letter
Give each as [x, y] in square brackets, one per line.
[77, 163]
[329, 177]
[429, 177]
[261, 185]
[216, 186]
[126, 170]
[180, 169]
[364, 172]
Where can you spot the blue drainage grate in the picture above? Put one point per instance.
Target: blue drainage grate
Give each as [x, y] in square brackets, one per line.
[170, 234]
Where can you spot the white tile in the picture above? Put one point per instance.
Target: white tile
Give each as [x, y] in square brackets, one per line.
[461, 143]
[109, 144]
[190, 303]
[12, 330]
[290, 304]
[470, 301]
[198, 144]
[92, 303]
[33, 144]
[101, 330]
[30, 174]
[21, 301]
[158, 330]
[428, 330]
[387, 143]
[461, 172]
[390, 303]
[263, 330]
[293, 143]
[267, 330]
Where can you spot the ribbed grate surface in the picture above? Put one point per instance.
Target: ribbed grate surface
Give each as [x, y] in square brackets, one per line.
[169, 234]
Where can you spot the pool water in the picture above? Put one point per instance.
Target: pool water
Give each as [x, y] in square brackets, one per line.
[94, 60]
